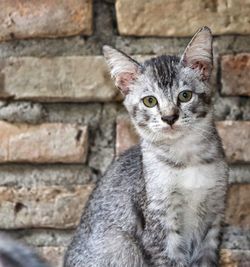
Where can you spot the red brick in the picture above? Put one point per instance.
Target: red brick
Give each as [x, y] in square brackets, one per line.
[42, 207]
[234, 258]
[48, 18]
[236, 139]
[54, 255]
[235, 71]
[125, 135]
[238, 206]
[44, 143]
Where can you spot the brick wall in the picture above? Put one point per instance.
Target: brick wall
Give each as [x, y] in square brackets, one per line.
[61, 119]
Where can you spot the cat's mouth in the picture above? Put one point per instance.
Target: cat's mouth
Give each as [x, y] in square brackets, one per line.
[171, 129]
[172, 132]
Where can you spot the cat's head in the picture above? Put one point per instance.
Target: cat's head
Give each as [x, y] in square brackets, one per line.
[166, 96]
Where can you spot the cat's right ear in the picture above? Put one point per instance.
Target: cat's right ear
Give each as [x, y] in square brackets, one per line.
[123, 68]
[199, 53]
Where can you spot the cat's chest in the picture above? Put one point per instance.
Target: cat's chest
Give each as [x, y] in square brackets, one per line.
[184, 189]
[164, 178]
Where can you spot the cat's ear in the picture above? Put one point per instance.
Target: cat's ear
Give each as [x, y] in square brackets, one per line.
[199, 53]
[123, 68]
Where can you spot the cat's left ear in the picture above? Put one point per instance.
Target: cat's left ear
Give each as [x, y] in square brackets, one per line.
[123, 68]
[199, 53]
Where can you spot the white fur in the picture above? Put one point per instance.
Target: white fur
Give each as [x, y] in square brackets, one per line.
[193, 182]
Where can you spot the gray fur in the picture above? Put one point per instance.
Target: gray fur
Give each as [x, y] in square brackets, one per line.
[161, 203]
[14, 254]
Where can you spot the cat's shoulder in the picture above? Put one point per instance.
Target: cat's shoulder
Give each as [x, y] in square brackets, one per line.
[130, 160]
[124, 173]
[126, 166]
[131, 155]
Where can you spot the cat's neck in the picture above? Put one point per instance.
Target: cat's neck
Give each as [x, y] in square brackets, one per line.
[194, 147]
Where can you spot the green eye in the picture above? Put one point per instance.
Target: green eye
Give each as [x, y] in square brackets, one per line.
[149, 101]
[185, 96]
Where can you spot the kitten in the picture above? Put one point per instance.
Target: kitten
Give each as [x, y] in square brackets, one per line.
[14, 254]
[162, 202]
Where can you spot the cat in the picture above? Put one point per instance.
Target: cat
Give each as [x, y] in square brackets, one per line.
[14, 254]
[161, 203]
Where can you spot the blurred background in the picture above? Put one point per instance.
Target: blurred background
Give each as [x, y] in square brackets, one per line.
[61, 119]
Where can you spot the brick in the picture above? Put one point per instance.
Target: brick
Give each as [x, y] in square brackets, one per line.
[53, 255]
[234, 258]
[41, 237]
[235, 71]
[44, 143]
[42, 207]
[235, 138]
[63, 79]
[236, 151]
[125, 135]
[19, 19]
[159, 17]
[19, 175]
[238, 206]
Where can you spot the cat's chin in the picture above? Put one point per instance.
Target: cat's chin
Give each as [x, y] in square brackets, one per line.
[168, 134]
[172, 130]
[165, 134]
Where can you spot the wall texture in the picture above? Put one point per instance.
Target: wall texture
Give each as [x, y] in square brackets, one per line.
[61, 119]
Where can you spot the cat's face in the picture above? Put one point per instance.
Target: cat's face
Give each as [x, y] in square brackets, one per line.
[167, 96]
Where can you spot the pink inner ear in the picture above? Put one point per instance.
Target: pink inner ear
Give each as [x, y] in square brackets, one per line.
[203, 68]
[124, 80]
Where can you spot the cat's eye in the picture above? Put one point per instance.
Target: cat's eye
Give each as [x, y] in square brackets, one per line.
[150, 101]
[185, 96]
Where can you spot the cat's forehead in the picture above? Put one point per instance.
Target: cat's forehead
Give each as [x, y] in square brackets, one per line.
[163, 70]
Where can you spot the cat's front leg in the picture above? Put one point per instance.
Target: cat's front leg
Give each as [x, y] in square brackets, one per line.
[161, 250]
[162, 238]
[206, 254]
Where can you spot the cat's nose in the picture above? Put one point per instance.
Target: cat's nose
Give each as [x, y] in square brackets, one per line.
[171, 119]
